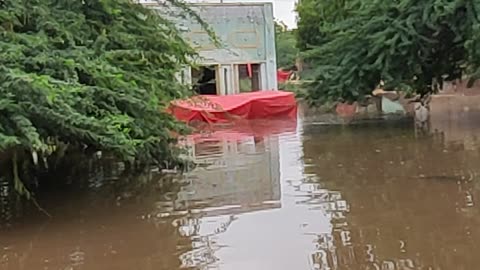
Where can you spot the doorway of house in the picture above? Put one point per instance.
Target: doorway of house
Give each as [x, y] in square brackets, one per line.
[204, 80]
[249, 77]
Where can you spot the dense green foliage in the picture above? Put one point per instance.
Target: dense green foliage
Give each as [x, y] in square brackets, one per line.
[315, 16]
[286, 49]
[91, 74]
[413, 45]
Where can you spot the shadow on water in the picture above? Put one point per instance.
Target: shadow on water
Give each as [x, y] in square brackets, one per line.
[269, 195]
[95, 219]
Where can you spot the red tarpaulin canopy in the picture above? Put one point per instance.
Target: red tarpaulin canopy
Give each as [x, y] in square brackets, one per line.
[217, 109]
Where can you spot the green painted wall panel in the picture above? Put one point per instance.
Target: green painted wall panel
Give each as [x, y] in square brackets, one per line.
[245, 30]
[242, 28]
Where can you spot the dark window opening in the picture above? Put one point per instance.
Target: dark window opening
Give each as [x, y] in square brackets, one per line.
[204, 80]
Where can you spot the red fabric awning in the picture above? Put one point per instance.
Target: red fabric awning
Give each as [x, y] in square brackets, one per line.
[217, 109]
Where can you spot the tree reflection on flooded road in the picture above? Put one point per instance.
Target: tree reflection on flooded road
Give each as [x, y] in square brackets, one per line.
[280, 195]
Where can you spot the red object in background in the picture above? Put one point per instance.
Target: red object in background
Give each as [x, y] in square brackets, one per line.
[282, 76]
[218, 109]
[346, 110]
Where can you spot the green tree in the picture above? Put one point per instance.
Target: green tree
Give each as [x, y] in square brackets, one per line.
[315, 15]
[91, 74]
[412, 45]
[286, 46]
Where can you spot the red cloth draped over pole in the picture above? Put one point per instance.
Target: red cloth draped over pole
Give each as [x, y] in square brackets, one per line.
[249, 70]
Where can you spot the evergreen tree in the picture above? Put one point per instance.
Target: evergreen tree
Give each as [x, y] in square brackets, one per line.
[286, 49]
[89, 74]
[412, 45]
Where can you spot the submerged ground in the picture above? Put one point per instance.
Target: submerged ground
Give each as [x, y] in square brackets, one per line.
[281, 195]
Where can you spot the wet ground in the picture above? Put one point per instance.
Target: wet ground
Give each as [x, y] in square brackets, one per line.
[279, 195]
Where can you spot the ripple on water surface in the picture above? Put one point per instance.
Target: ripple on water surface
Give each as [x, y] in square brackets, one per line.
[301, 197]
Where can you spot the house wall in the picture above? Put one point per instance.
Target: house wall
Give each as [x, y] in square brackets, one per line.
[246, 34]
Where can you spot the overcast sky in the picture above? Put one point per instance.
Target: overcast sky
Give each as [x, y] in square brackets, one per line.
[284, 11]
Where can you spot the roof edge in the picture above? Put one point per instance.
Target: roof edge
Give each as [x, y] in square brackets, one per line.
[218, 4]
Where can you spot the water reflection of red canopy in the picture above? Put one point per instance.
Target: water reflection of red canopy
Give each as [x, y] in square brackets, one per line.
[218, 109]
[241, 129]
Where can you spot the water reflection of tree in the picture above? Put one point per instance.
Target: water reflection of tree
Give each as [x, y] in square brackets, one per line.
[411, 199]
[96, 222]
[8, 202]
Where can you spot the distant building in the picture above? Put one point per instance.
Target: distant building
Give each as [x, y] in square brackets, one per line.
[245, 59]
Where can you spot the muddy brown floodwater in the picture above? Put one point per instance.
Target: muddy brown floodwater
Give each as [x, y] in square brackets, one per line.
[280, 195]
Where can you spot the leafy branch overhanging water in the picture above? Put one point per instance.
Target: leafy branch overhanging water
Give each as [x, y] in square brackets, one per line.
[412, 45]
[86, 76]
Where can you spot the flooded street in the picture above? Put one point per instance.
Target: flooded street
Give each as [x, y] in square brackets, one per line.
[277, 196]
